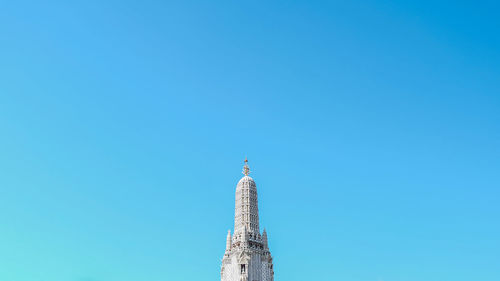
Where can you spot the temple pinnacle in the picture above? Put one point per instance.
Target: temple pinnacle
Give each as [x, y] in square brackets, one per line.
[246, 169]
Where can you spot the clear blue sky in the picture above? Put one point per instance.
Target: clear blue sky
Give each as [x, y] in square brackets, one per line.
[372, 129]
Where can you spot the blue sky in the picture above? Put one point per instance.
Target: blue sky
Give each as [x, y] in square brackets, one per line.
[372, 129]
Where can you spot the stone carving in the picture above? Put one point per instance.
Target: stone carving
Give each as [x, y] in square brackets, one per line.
[247, 256]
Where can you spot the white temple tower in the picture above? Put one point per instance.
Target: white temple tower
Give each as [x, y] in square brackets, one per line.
[247, 256]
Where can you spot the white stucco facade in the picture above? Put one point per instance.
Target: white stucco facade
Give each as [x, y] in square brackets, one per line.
[247, 256]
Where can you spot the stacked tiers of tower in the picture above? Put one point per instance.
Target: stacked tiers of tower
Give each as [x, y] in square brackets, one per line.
[247, 256]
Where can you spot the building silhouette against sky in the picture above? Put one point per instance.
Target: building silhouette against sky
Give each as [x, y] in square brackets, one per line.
[247, 256]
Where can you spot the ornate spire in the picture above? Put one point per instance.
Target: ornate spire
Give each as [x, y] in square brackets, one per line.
[264, 239]
[246, 210]
[247, 256]
[246, 169]
[228, 241]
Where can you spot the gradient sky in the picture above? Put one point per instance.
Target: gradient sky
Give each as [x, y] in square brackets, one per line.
[372, 129]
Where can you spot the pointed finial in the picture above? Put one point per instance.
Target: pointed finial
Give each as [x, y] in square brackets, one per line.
[228, 241]
[246, 169]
